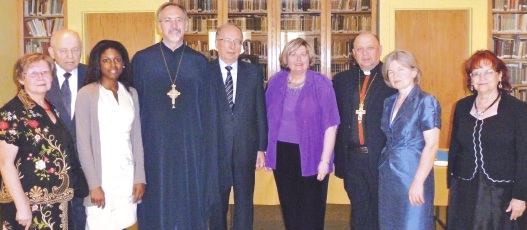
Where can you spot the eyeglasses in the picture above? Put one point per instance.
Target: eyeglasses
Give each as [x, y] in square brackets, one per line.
[228, 41]
[486, 73]
[176, 19]
[368, 49]
[36, 74]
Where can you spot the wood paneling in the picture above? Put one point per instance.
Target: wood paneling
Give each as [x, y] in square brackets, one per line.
[439, 39]
[134, 30]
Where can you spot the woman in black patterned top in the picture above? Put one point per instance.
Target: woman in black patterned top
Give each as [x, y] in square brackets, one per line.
[487, 162]
[35, 150]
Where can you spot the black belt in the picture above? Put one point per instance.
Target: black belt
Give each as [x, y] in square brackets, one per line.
[362, 149]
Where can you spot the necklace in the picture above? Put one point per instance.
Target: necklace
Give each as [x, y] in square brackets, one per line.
[362, 96]
[173, 93]
[295, 85]
[478, 113]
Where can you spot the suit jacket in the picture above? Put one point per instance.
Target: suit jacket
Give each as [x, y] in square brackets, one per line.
[54, 95]
[346, 88]
[89, 140]
[245, 126]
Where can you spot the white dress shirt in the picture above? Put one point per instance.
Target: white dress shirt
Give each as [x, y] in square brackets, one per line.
[234, 73]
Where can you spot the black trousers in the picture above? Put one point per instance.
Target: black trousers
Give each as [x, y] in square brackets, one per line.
[362, 186]
[77, 214]
[243, 191]
[302, 199]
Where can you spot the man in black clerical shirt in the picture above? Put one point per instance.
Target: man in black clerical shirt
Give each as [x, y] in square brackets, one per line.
[178, 128]
[360, 96]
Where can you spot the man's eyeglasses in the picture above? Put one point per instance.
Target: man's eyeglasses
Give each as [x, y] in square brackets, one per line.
[176, 19]
[228, 41]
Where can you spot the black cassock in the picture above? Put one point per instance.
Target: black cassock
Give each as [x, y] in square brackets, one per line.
[179, 143]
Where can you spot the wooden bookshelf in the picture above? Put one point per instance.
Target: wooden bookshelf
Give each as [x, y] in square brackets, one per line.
[329, 26]
[508, 27]
[38, 19]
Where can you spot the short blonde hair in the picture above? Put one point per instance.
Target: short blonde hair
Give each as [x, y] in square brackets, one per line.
[291, 47]
[404, 58]
[27, 60]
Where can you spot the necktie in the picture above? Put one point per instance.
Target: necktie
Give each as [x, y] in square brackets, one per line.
[66, 93]
[229, 86]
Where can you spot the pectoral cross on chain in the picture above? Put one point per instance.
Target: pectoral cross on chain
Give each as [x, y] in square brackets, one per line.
[360, 112]
[173, 94]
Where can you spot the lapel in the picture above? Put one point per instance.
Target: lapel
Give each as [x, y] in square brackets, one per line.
[408, 103]
[81, 76]
[372, 94]
[241, 85]
[55, 97]
[220, 89]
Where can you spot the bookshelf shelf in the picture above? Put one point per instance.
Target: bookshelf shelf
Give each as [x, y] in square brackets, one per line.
[328, 25]
[509, 40]
[38, 20]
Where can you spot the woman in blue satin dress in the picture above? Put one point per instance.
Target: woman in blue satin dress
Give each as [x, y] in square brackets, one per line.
[411, 121]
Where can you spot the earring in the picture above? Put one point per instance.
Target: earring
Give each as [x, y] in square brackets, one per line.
[500, 85]
[123, 66]
[471, 87]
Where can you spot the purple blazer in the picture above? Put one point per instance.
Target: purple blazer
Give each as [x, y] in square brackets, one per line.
[316, 110]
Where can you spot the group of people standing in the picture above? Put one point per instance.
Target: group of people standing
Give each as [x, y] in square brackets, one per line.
[78, 144]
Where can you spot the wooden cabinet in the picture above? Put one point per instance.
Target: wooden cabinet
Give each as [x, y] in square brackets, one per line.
[328, 25]
[509, 40]
[38, 19]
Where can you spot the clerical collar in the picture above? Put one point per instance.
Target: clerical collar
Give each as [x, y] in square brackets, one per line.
[178, 49]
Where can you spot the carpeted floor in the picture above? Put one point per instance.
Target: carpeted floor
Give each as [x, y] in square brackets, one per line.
[270, 217]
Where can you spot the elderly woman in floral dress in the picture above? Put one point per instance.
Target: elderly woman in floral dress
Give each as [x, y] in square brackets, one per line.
[35, 153]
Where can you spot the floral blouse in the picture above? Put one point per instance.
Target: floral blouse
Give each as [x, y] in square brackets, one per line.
[43, 148]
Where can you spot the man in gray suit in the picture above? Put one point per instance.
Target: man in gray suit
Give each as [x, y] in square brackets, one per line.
[66, 49]
[239, 89]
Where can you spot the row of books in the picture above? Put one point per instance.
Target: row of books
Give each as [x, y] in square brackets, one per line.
[43, 27]
[339, 67]
[202, 23]
[248, 6]
[309, 23]
[521, 94]
[513, 47]
[36, 46]
[342, 48]
[250, 23]
[350, 23]
[510, 23]
[350, 5]
[506, 5]
[255, 47]
[193, 6]
[517, 72]
[200, 46]
[43, 7]
[301, 5]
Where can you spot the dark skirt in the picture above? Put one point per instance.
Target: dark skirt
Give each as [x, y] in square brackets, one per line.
[480, 204]
[45, 216]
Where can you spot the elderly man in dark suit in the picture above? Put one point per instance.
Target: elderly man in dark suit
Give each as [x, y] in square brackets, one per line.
[239, 87]
[66, 49]
[360, 96]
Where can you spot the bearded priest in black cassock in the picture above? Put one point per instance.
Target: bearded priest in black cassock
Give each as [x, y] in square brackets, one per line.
[178, 121]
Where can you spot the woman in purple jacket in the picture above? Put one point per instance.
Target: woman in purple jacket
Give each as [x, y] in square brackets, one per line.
[303, 117]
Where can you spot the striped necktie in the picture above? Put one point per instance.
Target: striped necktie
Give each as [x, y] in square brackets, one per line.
[66, 93]
[229, 86]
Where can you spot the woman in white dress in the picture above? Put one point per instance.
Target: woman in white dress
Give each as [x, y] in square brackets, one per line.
[109, 139]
